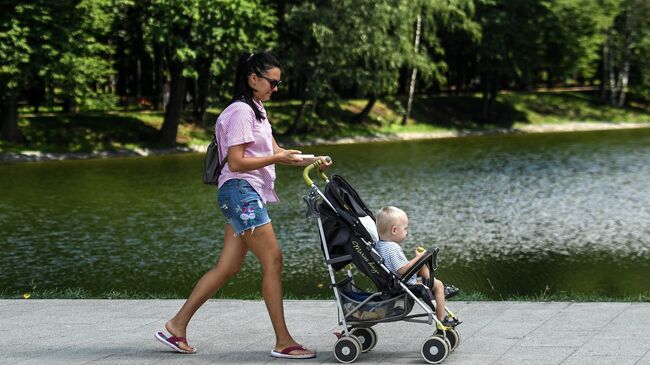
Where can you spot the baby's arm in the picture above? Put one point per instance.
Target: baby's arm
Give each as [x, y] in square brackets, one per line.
[402, 270]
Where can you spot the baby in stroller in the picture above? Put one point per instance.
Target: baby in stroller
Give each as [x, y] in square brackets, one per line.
[349, 241]
[392, 225]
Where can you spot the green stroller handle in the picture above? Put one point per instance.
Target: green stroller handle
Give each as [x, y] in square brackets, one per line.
[307, 170]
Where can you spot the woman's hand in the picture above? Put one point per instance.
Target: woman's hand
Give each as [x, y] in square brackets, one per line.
[325, 164]
[288, 157]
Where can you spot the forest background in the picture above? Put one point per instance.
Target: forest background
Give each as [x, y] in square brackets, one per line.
[81, 75]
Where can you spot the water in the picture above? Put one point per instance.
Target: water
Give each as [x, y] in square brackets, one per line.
[513, 215]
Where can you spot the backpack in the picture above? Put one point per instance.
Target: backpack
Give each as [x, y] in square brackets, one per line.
[211, 167]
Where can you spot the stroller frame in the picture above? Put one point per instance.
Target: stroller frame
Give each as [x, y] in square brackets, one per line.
[439, 341]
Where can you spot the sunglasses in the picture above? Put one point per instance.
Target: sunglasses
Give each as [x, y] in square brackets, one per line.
[273, 82]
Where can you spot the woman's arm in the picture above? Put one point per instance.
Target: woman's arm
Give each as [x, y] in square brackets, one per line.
[237, 162]
[305, 161]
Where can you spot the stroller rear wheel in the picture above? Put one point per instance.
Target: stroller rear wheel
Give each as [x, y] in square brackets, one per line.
[367, 337]
[435, 349]
[347, 349]
[454, 338]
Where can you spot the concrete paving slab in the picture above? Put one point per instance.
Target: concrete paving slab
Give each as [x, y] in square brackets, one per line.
[239, 332]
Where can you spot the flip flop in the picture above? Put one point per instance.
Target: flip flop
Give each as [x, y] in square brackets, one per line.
[286, 353]
[173, 341]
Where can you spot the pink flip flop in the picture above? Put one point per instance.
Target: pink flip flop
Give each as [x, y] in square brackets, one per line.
[172, 342]
[286, 353]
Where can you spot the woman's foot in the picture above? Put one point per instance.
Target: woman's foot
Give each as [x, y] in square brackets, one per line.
[293, 351]
[179, 332]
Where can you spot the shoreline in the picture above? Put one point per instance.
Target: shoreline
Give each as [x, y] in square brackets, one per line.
[36, 156]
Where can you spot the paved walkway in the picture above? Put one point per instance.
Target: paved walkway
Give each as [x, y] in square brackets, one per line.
[234, 331]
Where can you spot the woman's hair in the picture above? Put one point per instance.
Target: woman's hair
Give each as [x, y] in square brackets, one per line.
[387, 217]
[251, 63]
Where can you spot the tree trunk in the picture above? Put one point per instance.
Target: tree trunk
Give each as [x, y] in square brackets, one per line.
[361, 117]
[200, 99]
[604, 80]
[169, 128]
[613, 88]
[299, 120]
[70, 105]
[485, 90]
[158, 77]
[9, 120]
[300, 115]
[414, 73]
[494, 91]
[624, 72]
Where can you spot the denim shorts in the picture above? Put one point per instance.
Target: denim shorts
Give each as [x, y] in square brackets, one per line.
[242, 206]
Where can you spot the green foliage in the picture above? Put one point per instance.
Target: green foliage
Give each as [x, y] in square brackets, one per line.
[70, 50]
[61, 44]
[572, 35]
[14, 51]
[213, 30]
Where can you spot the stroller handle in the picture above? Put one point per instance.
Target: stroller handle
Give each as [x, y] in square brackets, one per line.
[307, 170]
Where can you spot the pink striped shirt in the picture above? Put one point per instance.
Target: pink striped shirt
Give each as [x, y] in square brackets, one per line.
[237, 125]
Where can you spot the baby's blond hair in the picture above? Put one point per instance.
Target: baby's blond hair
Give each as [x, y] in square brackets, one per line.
[386, 218]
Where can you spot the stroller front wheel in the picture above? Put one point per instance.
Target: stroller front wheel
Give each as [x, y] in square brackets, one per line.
[435, 349]
[347, 349]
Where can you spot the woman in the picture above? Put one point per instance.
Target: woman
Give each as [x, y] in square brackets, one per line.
[246, 185]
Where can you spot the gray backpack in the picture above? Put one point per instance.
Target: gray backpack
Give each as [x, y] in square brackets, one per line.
[212, 166]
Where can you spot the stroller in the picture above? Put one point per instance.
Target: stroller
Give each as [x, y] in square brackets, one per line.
[345, 241]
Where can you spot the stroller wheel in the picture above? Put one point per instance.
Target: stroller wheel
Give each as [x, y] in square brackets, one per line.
[367, 337]
[454, 338]
[435, 349]
[347, 349]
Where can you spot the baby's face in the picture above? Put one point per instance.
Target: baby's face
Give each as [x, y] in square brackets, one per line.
[399, 230]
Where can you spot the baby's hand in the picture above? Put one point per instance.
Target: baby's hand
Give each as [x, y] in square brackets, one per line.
[420, 251]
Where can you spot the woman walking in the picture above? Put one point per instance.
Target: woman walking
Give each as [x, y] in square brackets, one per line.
[246, 185]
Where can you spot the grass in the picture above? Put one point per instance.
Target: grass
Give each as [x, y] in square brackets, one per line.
[462, 297]
[54, 131]
[554, 107]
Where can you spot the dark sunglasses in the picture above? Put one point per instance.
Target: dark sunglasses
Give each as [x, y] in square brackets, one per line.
[273, 82]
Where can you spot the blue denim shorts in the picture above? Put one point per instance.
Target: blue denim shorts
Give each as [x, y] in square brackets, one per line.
[242, 206]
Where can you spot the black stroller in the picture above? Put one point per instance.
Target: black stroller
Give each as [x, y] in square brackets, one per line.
[342, 216]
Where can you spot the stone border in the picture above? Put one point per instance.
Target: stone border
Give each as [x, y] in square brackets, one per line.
[32, 156]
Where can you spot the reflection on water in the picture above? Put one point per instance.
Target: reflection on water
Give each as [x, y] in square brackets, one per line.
[512, 215]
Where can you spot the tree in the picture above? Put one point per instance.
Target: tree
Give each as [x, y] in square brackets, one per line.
[433, 18]
[60, 45]
[198, 39]
[510, 48]
[627, 44]
[14, 52]
[572, 34]
[364, 50]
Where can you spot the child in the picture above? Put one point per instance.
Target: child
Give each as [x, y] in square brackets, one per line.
[392, 224]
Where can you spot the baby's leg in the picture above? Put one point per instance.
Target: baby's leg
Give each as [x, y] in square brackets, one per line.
[439, 295]
[424, 273]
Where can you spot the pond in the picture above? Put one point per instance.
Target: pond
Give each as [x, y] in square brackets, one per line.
[513, 215]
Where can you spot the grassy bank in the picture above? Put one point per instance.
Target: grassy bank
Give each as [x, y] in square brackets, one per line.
[473, 296]
[117, 130]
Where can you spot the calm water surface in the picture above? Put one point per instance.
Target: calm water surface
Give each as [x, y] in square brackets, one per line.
[513, 215]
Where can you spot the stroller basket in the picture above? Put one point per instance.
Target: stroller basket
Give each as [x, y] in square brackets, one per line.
[358, 309]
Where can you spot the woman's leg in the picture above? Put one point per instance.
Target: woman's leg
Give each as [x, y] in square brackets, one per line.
[262, 242]
[228, 265]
